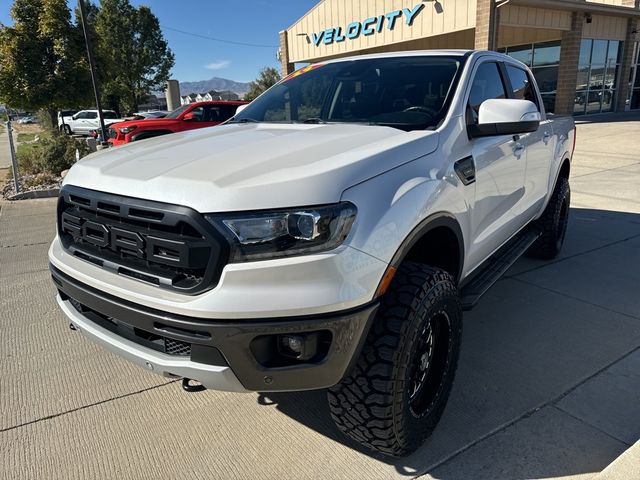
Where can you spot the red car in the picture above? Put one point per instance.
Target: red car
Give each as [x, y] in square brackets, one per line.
[188, 117]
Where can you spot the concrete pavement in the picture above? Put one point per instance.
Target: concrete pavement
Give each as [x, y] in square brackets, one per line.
[548, 384]
[5, 156]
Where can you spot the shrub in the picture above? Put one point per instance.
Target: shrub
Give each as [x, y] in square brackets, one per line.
[53, 154]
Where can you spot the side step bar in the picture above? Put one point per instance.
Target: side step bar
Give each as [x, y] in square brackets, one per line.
[496, 266]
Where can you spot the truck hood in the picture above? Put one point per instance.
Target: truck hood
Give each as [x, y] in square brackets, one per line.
[251, 166]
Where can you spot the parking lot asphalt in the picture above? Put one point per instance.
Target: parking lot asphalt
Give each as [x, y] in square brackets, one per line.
[548, 384]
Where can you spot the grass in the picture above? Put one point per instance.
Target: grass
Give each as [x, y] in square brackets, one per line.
[24, 149]
[26, 137]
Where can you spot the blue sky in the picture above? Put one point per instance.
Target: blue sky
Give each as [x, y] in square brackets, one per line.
[248, 21]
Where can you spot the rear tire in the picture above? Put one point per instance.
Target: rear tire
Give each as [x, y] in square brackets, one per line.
[553, 223]
[395, 395]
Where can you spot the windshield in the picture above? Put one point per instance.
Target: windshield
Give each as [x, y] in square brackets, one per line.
[408, 92]
[176, 113]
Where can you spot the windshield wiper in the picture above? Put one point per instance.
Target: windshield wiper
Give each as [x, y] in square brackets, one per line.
[244, 120]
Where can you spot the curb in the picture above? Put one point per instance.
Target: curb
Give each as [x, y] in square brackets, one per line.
[52, 192]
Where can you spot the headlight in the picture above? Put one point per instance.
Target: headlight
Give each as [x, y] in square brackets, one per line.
[284, 233]
[126, 130]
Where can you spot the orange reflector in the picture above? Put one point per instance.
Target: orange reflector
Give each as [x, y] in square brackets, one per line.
[386, 280]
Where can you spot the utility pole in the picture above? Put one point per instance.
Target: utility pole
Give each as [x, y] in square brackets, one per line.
[94, 79]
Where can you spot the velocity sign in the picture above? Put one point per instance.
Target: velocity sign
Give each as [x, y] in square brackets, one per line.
[367, 27]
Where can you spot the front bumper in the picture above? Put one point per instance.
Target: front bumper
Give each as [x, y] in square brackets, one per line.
[222, 355]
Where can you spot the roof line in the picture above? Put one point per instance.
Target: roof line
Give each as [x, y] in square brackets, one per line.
[581, 6]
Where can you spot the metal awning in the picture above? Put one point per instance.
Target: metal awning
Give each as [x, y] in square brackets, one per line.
[579, 6]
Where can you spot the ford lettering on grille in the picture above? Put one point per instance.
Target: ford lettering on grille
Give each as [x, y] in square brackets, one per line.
[119, 240]
[169, 246]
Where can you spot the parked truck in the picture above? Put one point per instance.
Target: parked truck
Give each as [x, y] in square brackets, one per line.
[329, 236]
[187, 117]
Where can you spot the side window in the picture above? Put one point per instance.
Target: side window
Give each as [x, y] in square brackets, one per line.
[197, 114]
[91, 115]
[487, 85]
[227, 111]
[110, 114]
[212, 114]
[522, 86]
[81, 116]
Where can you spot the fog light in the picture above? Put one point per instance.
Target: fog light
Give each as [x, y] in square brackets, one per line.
[295, 344]
[301, 347]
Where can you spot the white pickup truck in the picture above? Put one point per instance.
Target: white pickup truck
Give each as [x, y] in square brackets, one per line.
[328, 236]
[86, 121]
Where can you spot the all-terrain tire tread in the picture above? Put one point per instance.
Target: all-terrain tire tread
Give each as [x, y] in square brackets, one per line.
[366, 405]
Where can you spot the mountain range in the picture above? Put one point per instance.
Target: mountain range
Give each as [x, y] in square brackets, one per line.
[215, 83]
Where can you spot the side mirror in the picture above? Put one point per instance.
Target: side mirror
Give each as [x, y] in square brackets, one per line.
[241, 107]
[74, 117]
[505, 117]
[189, 117]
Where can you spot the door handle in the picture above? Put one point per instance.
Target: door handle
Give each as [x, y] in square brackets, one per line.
[518, 150]
[546, 138]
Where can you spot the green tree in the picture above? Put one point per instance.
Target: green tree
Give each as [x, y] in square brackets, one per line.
[133, 56]
[42, 65]
[267, 78]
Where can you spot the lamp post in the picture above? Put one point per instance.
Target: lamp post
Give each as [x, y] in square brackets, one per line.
[92, 68]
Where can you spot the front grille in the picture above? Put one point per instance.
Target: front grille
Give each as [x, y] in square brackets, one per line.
[168, 246]
[113, 133]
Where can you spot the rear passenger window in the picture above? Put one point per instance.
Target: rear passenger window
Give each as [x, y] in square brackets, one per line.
[522, 86]
[486, 85]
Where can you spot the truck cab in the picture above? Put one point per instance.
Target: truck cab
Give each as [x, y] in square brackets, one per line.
[328, 236]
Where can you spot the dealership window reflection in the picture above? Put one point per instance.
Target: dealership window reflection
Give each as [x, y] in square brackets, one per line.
[598, 66]
[634, 79]
[543, 60]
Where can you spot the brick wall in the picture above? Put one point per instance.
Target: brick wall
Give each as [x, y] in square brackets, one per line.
[285, 66]
[568, 69]
[484, 25]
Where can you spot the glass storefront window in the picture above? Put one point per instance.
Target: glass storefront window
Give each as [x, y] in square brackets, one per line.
[546, 54]
[585, 52]
[597, 76]
[543, 58]
[580, 103]
[524, 53]
[614, 53]
[599, 52]
[583, 77]
[608, 97]
[634, 80]
[546, 78]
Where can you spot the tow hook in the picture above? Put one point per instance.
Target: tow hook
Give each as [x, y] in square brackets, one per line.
[188, 387]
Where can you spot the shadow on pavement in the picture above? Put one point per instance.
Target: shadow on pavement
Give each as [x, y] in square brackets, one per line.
[541, 331]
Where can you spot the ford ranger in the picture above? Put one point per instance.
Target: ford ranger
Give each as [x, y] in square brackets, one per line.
[329, 236]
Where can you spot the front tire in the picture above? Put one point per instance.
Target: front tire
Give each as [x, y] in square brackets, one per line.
[396, 393]
[553, 223]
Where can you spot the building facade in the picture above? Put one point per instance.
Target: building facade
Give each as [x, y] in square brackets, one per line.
[585, 54]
